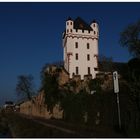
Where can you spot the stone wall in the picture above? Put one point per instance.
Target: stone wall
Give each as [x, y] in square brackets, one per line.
[36, 107]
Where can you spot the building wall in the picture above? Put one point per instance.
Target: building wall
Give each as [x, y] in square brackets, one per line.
[37, 108]
[82, 38]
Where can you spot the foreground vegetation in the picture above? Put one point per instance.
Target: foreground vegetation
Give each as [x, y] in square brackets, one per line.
[99, 110]
[4, 129]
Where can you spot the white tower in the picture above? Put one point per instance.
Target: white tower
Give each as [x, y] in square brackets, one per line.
[80, 42]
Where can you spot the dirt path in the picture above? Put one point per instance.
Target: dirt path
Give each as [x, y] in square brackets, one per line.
[60, 128]
[55, 127]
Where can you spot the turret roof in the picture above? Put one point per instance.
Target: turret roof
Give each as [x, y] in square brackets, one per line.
[69, 18]
[94, 21]
[79, 23]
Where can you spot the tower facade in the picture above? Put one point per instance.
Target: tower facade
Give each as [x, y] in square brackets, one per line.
[80, 45]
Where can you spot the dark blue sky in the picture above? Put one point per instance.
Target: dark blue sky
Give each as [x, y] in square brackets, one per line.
[31, 35]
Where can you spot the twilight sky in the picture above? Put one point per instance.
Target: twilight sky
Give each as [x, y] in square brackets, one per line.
[31, 35]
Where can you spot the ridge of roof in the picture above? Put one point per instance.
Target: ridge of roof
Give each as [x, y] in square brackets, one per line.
[69, 18]
[79, 23]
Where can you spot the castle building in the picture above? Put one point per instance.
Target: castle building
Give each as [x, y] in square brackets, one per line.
[80, 45]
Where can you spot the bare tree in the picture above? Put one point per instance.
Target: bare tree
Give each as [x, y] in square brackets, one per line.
[24, 86]
[130, 38]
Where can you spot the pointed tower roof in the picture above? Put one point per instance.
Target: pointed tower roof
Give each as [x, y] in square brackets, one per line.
[79, 23]
[69, 18]
[94, 21]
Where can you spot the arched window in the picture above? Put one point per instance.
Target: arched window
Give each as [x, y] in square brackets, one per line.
[87, 45]
[76, 56]
[88, 70]
[76, 44]
[77, 70]
[88, 57]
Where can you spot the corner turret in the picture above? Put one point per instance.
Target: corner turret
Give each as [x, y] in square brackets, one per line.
[94, 26]
[69, 25]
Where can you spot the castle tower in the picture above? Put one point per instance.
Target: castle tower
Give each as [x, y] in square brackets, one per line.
[80, 43]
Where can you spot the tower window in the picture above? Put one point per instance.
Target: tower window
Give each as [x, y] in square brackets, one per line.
[94, 25]
[70, 30]
[87, 45]
[94, 32]
[67, 23]
[88, 57]
[67, 30]
[88, 70]
[76, 44]
[77, 70]
[71, 23]
[96, 69]
[76, 56]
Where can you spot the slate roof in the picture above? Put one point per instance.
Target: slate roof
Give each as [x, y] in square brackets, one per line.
[69, 18]
[81, 24]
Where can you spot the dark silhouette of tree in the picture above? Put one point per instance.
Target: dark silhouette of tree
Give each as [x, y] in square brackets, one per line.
[134, 80]
[130, 38]
[43, 71]
[44, 68]
[134, 69]
[49, 85]
[134, 95]
[25, 86]
[105, 63]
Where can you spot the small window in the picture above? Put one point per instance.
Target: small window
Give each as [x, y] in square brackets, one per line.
[76, 30]
[88, 70]
[82, 31]
[76, 56]
[71, 30]
[94, 25]
[76, 44]
[96, 69]
[88, 57]
[71, 23]
[67, 30]
[77, 70]
[67, 23]
[94, 32]
[87, 45]
[88, 31]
